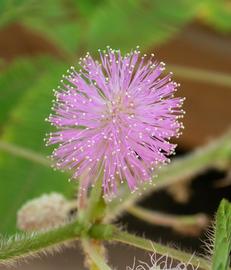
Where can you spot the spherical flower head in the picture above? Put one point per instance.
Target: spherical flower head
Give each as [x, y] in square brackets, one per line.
[115, 118]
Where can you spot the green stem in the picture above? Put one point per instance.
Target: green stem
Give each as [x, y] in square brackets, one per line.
[94, 256]
[94, 210]
[215, 154]
[24, 153]
[94, 199]
[142, 243]
[183, 222]
[201, 75]
[26, 245]
[31, 244]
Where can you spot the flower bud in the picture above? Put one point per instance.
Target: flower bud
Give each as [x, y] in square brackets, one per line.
[44, 212]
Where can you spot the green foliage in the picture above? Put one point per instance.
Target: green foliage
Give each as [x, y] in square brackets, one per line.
[72, 24]
[54, 19]
[222, 241]
[125, 24]
[57, 21]
[15, 81]
[217, 14]
[122, 23]
[22, 179]
[88, 7]
[11, 11]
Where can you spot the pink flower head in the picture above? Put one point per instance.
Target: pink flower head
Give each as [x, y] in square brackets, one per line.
[115, 118]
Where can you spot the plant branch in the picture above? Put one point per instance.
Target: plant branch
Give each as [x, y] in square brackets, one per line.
[186, 224]
[24, 153]
[30, 244]
[98, 260]
[201, 75]
[216, 154]
[25, 245]
[145, 244]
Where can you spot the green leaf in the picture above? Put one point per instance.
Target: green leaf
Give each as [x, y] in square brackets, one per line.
[16, 79]
[13, 10]
[22, 179]
[87, 7]
[217, 14]
[64, 33]
[56, 19]
[222, 241]
[124, 23]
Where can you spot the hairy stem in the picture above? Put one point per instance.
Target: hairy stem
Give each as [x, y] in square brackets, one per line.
[187, 224]
[94, 210]
[26, 245]
[95, 259]
[94, 199]
[142, 243]
[30, 244]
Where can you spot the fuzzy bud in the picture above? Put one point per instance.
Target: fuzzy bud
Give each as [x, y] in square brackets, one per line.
[44, 212]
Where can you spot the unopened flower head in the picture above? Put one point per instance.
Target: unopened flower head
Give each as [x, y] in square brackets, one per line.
[115, 117]
[44, 212]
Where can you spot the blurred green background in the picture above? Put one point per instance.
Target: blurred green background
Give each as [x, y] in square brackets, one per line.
[39, 40]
